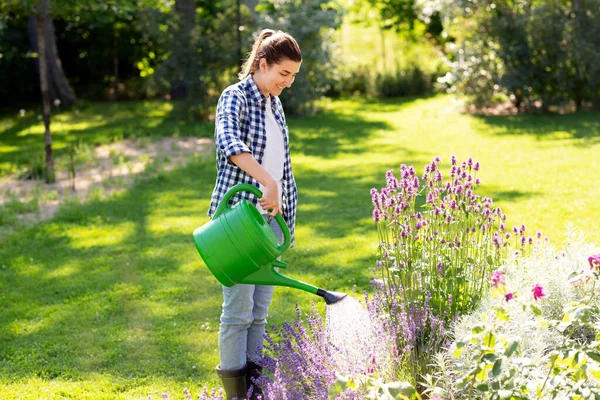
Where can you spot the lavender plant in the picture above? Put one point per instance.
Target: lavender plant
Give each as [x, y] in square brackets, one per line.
[443, 251]
[304, 360]
[299, 358]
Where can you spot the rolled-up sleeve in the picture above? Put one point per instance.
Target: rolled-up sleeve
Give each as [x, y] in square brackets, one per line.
[228, 135]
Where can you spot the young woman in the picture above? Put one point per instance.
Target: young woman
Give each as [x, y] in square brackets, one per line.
[252, 146]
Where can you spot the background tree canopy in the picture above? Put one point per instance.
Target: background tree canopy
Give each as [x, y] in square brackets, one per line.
[540, 53]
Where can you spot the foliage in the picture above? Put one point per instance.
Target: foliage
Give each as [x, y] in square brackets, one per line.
[374, 388]
[353, 79]
[530, 51]
[320, 19]
[512, 347]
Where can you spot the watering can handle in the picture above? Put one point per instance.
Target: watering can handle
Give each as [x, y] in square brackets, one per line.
[223, 205]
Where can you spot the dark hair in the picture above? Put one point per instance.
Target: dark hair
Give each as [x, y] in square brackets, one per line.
[274, 46]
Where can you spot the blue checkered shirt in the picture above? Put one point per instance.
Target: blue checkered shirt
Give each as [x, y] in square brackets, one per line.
[239, 128]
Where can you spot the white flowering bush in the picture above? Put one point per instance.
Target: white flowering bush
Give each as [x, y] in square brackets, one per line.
[537, 336]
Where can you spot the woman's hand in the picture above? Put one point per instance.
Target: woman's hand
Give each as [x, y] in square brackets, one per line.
[270, 199]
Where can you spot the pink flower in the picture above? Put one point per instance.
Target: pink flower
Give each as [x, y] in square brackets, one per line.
[497, 278]
[509, 296]
[538, 291]
[594, 261]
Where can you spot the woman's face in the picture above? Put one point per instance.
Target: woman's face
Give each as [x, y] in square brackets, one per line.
[278, 76]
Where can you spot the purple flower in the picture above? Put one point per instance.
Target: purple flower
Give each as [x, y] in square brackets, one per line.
[538, 292]
[509, 296]
[453, 160]
[497, 278]
[376, 215]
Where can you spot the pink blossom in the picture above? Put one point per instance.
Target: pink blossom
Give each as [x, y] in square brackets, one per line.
[594, 261]
[509, 296]
[538, 292]
[497, 278]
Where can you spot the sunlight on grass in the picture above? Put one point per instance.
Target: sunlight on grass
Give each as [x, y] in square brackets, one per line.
[62, 272]
[99, 235]
[113, 301]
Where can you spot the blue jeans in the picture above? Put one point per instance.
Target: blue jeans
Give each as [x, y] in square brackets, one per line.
[243, 320]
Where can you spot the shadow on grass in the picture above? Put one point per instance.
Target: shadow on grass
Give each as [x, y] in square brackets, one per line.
[582, 126]
[78, 301]
[330, 133]
[116, 287]
[97, 123]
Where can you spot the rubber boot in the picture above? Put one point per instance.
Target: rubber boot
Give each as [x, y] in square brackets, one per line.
[234, 383]
[253, 372]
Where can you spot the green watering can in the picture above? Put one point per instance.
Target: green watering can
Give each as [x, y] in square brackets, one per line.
[238, 246]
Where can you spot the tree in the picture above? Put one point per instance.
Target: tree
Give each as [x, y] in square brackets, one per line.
[535, 52]
[47, 53]
[320, 19]
[58, 85]
[184, 62]
[42, 19]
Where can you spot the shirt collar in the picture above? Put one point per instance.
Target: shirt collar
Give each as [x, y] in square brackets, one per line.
[255, 92]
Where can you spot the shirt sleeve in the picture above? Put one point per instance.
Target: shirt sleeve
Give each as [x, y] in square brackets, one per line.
[228, 135]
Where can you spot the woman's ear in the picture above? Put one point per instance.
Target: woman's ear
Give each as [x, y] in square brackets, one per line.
[263, 65]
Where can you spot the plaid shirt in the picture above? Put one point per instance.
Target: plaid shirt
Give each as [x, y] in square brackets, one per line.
[239, 128]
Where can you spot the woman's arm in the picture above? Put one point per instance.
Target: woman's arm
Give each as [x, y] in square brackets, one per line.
[270, 199]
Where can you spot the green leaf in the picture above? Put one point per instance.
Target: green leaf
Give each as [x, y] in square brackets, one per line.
[512, 347]
[477, 329]
[497, 368]
[501, 315]
[482, 387]
[458, 349]
[536, 310]
[594, 356]
[397, 389]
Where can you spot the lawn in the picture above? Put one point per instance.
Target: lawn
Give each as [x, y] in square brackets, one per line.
[110, 300]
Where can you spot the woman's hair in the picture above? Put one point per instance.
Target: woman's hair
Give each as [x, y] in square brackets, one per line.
[274, 46]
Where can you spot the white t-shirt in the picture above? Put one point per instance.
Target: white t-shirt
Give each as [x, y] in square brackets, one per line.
[274, 156]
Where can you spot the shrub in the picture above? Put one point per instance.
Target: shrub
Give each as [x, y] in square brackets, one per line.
[359, 79]
[536, 335]
[533, 52]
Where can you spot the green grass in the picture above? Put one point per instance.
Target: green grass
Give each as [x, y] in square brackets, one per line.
[22, 138]
[110, 300]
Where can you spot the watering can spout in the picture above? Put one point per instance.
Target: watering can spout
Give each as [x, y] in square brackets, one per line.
[268, 275]
[331, 297]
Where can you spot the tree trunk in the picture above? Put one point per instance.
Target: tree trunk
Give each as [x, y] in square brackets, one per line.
[115, 56]
[58, 85]
[41, 22]
[185, 11]
[580, 67]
